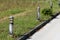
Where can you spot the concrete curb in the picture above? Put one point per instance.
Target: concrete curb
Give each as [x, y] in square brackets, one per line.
[27, 35]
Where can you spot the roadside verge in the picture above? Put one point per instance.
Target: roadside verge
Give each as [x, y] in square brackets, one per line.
[38, 27]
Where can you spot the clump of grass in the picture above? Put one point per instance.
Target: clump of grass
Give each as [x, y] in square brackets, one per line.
[47, 11]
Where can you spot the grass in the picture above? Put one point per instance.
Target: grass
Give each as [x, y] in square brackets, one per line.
[10, 7]
[10, 12]
[22, 24]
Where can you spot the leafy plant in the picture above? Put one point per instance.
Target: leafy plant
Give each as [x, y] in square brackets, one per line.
[47, 11]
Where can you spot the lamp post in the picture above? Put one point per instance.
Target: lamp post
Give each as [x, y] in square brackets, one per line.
[38, 13]
[51, 4]
[11, 25]
[59, 3]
